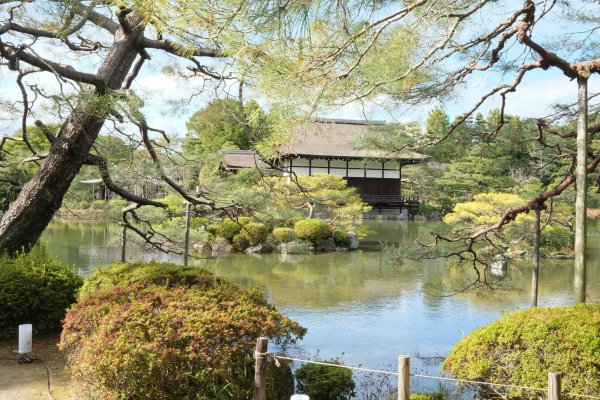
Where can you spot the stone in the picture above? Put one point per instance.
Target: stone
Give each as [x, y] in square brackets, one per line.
[258, 249]
[221, 246]
[353, 240]
[326, 245]
[295, 248]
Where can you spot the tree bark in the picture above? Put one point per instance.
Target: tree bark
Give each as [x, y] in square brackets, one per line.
[579, 278]
[42, 196]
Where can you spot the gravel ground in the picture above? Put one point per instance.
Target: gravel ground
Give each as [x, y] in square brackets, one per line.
[30, 381]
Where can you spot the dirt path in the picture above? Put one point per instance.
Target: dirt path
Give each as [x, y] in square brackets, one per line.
[30, 381]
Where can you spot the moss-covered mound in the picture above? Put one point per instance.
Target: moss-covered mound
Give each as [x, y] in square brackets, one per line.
[521, 348]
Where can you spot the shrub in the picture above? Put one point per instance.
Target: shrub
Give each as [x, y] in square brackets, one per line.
[284, 235]
[427, 396]
[255, 232]
[228, 229]
[213, 229]
[36, 291]
[167, 332]
[521, 348]
[341, 238]
[240, 242]
[321, 382]
[313, 230]
[244, 220]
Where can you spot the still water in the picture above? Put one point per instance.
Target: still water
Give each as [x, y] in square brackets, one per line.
[357, 305]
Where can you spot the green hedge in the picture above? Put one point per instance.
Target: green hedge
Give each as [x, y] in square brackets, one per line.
[255, 232]
[36, 291]
[162, 331]
[313, 229]
[322, 382]
[521, 348]
[284, 235]
[341, 238]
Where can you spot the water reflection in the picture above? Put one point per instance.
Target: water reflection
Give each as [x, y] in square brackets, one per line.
[357, 303]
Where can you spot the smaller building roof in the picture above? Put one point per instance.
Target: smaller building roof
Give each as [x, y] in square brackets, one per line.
[334, 138]
[236, 159]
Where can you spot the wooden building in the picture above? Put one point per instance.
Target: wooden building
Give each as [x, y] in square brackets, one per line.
[328, 146]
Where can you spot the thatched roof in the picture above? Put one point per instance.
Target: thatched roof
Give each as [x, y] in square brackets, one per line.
[236, 159]
[331, 138]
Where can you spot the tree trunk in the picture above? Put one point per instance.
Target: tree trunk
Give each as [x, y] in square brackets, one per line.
[581, 196]
[41, 197]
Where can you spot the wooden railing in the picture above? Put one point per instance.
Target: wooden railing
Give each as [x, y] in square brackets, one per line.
[390, 199]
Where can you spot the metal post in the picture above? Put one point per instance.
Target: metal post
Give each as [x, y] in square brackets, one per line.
[403, 377]
[260, 369]
[187, 233]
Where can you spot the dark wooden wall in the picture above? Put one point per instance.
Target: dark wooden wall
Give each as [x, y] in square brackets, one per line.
[388, 187]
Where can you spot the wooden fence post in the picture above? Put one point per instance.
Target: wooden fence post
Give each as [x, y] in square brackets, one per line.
[186, 251]
[260, 369]
[554, 385]
[124, 244]
[403, 377]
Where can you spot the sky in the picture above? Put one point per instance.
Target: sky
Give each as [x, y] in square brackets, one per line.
[534, 97]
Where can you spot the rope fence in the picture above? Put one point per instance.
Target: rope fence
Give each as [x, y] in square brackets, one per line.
[403, 374]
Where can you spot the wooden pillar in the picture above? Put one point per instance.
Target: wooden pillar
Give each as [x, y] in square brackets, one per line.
[403, 378]
[186, 250]
[536, 257]
[554, 385]
[260, 369]
[310, 167]
[400, 177]
[124, 243]
[579, 278]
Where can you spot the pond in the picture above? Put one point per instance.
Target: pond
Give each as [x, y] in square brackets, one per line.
[357, 305]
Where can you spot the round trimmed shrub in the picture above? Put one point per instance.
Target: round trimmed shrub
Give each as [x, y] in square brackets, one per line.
[228, 229]
[314, 230]
[36, 291]
[521, 348]
[240, 242]
[255, 232]
[162, 331]
[284, 235]
[322, 382]
[341, 238]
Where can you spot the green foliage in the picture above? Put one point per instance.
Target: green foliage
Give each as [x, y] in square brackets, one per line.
[314, 230]
[36, 291]
[224, 124]
[228, 229]
[520, 349]
[162, 331]
[341, 238]
[284, 235]
[487, 208]
[427, 396]
[240, 242]
[321, 382]
[255, 232]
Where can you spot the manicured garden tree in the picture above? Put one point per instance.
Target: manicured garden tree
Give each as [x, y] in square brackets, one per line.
[161, 331]
[521, 348]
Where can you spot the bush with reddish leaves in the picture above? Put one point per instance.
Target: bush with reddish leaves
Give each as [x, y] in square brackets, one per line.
[161, 331]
